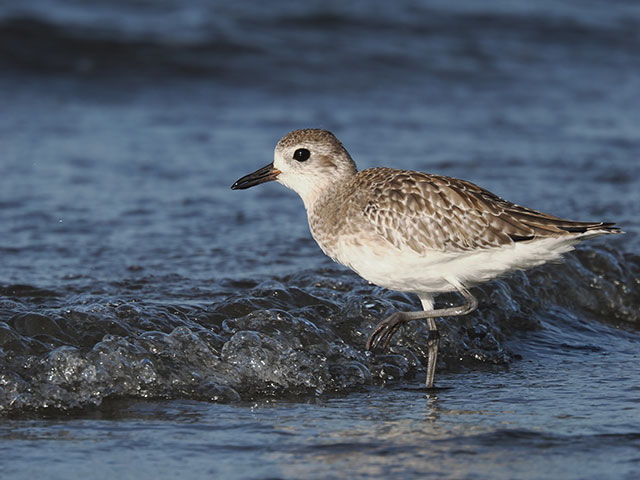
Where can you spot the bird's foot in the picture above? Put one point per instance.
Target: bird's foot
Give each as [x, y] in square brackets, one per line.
[386, 329]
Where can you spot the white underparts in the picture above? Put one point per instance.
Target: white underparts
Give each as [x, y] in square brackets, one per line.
[405, 270]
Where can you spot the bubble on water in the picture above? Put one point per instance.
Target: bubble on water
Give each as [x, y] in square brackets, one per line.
[300, 335]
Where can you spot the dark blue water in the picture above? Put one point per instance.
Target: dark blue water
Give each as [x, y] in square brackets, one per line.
[152, 318]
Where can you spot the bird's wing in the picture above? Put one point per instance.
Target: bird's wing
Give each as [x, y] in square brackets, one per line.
[426, 212]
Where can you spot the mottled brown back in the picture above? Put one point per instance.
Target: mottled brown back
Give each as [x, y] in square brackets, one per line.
[437, 213]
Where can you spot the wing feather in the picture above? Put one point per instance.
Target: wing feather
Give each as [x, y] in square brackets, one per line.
[426, 212]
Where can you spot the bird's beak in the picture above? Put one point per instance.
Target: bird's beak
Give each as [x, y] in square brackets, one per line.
[265, 174]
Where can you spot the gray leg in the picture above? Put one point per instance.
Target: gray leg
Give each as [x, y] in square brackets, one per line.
[383, 332]
[432, 352]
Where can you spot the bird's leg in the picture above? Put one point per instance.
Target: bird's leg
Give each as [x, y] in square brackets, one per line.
[432, 352]
[383, 332]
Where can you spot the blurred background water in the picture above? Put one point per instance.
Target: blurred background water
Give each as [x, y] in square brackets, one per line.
[150, 317]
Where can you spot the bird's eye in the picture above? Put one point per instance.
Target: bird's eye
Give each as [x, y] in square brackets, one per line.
[301, 154]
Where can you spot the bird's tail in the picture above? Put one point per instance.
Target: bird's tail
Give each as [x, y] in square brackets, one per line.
[584, 230]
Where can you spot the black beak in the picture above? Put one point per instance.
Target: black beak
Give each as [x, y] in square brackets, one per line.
[265, 174]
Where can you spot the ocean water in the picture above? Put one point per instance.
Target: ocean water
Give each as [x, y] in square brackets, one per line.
[150, 318]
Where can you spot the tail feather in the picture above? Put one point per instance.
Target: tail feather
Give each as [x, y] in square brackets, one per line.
[600, 227]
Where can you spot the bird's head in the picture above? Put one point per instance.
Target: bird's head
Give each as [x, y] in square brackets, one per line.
[307, 161]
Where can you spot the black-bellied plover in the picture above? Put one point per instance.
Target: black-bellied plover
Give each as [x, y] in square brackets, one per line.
[412, 231]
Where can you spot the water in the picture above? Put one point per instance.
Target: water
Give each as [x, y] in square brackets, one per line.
[150, 316]
[568, 425]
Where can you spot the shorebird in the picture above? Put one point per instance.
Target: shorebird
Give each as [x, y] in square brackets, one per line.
[412, 231]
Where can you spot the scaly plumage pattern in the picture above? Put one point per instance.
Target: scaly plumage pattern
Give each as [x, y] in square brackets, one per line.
[426, 212]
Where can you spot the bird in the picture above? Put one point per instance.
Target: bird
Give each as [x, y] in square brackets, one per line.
[414, 232]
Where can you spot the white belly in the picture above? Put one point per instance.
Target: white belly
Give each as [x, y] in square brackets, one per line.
[405, 270]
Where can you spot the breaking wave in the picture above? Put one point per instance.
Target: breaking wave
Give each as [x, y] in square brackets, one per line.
[298, 335]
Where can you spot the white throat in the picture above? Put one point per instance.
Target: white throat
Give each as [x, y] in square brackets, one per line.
[310, 189]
